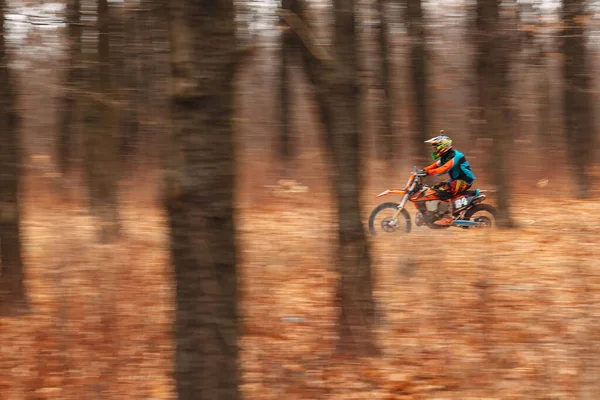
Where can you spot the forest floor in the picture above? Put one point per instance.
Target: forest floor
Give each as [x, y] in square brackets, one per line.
[464, 314]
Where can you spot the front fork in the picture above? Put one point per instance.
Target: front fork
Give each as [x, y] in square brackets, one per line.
[400, 207]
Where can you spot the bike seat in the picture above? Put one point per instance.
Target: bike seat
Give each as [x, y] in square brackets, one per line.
[469, 193]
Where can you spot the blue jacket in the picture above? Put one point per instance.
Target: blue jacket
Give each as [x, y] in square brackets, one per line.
[455, 164]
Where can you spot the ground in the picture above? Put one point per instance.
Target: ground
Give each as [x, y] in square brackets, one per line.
[463, 314]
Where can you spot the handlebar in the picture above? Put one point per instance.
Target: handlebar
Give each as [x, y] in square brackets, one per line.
[419, 172]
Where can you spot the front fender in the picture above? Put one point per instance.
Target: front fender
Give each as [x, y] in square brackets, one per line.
[391, 191]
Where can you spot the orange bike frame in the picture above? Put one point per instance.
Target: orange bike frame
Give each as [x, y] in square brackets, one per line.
[404, 192]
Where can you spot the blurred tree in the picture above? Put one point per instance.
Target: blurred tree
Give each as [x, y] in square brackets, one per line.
[149, 64]
[579, 129]
[12, 291]
[544, 117]
[355, 292]
[481, 55]
[513, 49]
[385, 141]
[493, 72]
[419, 70]
[122, 60]
[137, 39]
[315, 60]
[101, 134]
[130, 121]
[199, 198]
[289, 43]
[68, 113]
[335, 83]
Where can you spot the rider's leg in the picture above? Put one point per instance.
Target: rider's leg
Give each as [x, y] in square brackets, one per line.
[454, 187]
[444, 193]
[443, 190]
[458, 186]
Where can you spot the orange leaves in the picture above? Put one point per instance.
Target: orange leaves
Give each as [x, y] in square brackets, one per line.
[443, 335]
[102, 315]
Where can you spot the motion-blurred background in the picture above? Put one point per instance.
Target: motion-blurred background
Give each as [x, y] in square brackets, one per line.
[324, 95]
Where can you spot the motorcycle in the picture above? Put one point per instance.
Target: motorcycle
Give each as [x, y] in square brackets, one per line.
[466, 208]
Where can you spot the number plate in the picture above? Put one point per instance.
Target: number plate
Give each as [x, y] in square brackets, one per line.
[460, 202]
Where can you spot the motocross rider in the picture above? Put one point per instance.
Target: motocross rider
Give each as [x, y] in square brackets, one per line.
[456, 165]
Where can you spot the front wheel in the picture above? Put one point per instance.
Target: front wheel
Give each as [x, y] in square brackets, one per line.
[381, 218]
[485, 214]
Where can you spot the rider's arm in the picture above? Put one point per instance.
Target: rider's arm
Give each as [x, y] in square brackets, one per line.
[432, 166]
[442, 168]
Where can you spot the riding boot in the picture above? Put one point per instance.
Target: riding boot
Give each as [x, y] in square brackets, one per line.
[445, 220]
[444, 206]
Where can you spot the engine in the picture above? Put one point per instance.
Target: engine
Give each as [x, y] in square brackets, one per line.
[437, 206]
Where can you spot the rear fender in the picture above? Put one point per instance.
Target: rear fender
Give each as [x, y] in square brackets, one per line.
[477, 199]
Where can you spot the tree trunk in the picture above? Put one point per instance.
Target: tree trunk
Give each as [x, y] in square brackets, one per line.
[314, 67]
[355, 291]
[577, 100]
[101, 142]
[481, 57]
[544, 128]
[385, 139]
[335, 85]
[129, 123]
[494, 75]
[12, 291]
[286, 144]
[199, 199]
[290, 44]
[544, 117]
[419, 71]
[67, 118]
[151, 38]
[121, 85]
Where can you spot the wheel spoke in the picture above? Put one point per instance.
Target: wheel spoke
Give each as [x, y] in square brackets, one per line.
[378, 221]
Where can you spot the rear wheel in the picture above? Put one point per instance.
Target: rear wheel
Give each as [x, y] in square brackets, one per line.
[381, 219]
[485, 214]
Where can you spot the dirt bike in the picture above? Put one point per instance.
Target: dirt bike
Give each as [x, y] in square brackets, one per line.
[466, 208]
